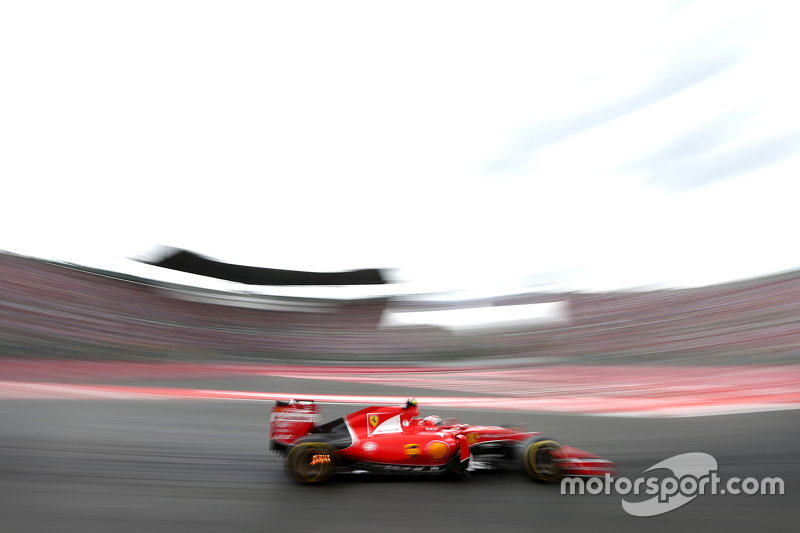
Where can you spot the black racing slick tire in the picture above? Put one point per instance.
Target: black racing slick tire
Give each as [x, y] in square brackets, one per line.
[544, 460]
[312, 462]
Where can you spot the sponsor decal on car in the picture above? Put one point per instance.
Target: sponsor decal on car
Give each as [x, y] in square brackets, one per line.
[385, 425]
[412, 450]
[369, 447]
[293, 415]
[397, 468]
[437, 449]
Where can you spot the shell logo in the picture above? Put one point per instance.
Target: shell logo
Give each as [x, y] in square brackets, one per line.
[438, 449]
[412, 450]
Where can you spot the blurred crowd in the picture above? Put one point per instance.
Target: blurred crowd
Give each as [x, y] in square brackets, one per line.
[53, 310]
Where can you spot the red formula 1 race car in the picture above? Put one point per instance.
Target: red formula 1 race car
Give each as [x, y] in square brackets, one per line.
[396, 440]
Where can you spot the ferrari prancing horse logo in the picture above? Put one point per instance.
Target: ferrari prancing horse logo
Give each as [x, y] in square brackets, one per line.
[373, 419]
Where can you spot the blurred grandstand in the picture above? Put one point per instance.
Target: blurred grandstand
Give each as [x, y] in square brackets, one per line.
[49, 309]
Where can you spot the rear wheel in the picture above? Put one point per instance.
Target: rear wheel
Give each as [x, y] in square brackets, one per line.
[312, 462]
[544, 460]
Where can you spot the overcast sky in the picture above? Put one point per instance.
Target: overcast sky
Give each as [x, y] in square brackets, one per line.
[605, 144]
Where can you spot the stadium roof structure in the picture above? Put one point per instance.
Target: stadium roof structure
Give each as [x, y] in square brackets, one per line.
[192, 263]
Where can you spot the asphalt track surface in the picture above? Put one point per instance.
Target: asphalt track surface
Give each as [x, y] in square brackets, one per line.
[204, 465]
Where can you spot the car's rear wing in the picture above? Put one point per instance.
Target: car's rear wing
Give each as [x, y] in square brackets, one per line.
[291, 420]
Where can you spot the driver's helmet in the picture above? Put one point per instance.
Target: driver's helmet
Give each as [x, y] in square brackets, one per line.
[432, 421]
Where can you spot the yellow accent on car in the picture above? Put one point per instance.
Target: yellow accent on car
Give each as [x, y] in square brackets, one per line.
[412, 450]
[437, 449]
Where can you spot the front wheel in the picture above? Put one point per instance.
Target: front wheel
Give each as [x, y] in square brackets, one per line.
[312, 462]
[544, 460]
